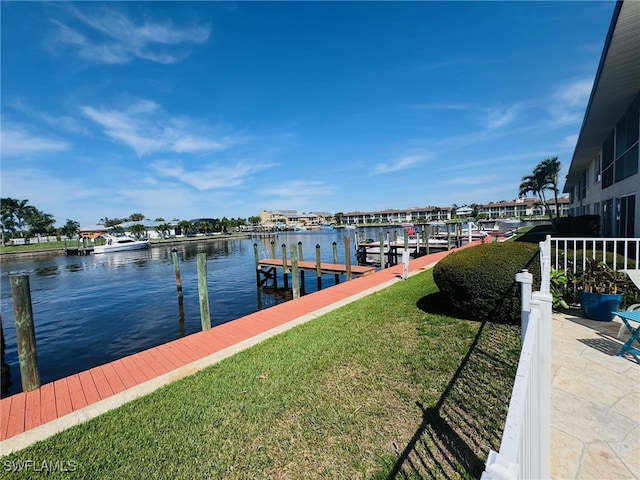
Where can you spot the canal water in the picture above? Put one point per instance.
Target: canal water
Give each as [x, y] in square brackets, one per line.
[90, 310]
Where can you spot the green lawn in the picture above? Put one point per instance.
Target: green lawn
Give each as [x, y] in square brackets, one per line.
[384, 387]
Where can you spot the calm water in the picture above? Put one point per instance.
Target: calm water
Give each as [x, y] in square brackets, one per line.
[94, 309]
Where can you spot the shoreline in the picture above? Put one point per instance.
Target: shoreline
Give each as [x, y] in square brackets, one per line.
[58, 251]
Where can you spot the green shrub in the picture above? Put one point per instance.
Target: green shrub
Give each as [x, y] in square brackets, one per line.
[479, 282]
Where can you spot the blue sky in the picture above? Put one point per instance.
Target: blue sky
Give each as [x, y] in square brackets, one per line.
[210, 109]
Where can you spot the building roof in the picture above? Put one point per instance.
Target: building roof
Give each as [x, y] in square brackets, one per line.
[616, 85]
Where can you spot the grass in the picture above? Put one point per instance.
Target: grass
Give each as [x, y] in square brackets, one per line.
[388, 386]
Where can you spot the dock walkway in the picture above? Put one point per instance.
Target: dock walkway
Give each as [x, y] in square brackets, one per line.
[335, 268]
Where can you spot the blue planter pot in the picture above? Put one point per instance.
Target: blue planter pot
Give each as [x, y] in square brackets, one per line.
[598, 306]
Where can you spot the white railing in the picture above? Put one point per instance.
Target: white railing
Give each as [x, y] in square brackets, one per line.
[573, 253]
[525, 449]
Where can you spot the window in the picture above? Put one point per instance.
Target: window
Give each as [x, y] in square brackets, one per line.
[607, 218]
[607, 162]
[597, 165]
[626, 216]
[626, 154]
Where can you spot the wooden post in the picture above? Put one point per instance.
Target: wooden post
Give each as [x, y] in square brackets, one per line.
[25, 332]
[448, 236]
[336, 277]
[318, 267]
[406, 240]
[347, 256]
[176, 268]
[5, 376]
[203, 292]
[427, 234]
[273, 249]
[381, 242]
[256, 258]
[301, 258]
[285, 266]
[294, 272]
[390, 256]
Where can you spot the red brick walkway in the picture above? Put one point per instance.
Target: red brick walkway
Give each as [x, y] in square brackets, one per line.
[28, 417]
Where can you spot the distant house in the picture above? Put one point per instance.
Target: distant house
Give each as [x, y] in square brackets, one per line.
[291, 217]
[603, 177]
[150, 227]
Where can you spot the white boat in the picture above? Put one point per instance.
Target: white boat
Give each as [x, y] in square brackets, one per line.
[120, 243]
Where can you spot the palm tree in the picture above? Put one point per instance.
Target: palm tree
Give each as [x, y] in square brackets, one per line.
[70, 228]
[138, 230]
[205, 227]
[549, 170]
[534, 183]
[544, 177]
[40, 223]
[185, 226]
[164, 229]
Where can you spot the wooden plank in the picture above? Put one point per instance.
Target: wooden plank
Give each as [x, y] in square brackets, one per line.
[89, 389]
[325, 267]
[101, 383]
[32, 410]
[5, 408]
[15, 425]
[48, 410]
[113, 378]
[124, 374]
[133, 367]
[63, 398]
[76, 392]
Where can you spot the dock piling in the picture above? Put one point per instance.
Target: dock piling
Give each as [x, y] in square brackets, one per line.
[318, 267]
[335, 260]
[285, 267]
[294, 272]
[176, 268]
[381, 243]
[203, 292]
[5, 377]
[25, 332]
[301, 258]
[347, 256]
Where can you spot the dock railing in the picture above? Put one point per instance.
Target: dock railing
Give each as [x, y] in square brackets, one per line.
[525, 449]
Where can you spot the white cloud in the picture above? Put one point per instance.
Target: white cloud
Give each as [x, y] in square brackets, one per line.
[403, 163]
[212, 176]
[110, 37]
[500, 117]
[146, 129]
[569, 101]
[21, 142]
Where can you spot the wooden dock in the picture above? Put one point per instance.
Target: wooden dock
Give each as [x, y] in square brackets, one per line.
[334, 268]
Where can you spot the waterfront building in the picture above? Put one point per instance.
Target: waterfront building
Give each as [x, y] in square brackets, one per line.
[293, 217]
[603, 177]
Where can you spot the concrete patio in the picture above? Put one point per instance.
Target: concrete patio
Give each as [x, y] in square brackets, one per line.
[595, 401]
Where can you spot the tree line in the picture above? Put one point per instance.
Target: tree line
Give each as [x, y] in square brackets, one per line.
[20, 219]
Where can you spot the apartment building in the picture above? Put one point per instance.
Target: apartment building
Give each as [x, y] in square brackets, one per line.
[603, 177]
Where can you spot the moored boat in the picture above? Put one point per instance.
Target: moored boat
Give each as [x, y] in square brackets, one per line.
[120, 243]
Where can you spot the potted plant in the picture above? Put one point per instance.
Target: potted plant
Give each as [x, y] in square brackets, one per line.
[598, 288]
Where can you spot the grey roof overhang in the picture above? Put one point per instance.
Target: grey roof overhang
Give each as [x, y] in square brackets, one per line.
[616, 85]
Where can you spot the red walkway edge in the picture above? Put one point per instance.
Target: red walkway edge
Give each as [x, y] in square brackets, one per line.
[24, 412]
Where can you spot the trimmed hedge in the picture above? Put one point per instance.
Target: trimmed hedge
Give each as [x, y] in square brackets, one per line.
[479, 282]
